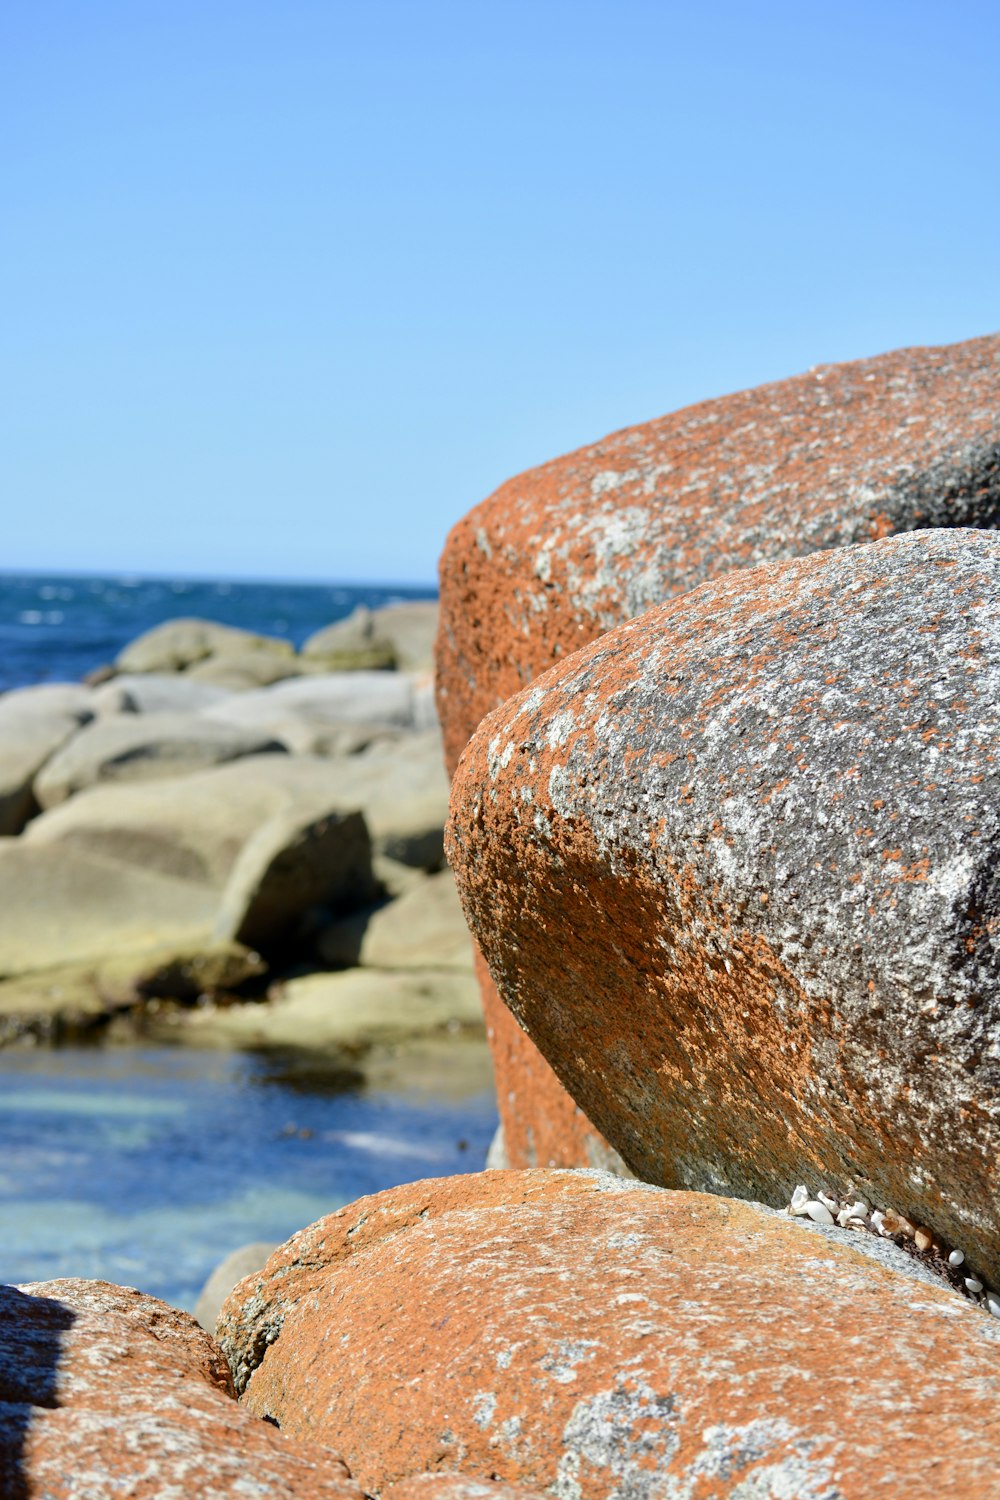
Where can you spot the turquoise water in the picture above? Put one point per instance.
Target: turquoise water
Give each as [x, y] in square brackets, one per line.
[145, 1166]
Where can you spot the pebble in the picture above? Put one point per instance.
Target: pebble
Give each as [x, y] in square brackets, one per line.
[993, 1303]
[972, 1284]
[956, 1258]
[923, 1239]
[819, 1213]
[799, 1200]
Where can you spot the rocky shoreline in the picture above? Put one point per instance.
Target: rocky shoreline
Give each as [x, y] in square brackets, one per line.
[721, 700]
[224, 842]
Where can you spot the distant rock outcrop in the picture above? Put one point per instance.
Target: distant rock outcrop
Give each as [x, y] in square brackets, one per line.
[843, 454]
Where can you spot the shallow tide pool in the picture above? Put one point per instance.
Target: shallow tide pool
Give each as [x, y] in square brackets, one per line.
[146, 1165]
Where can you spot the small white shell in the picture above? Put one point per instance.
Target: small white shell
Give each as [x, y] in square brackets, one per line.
[799, 1200]
[828, 1201]
[819, 1213]
[878, 1219]
[956, 1258]
[843, 1216]
[973, 1285]
[993, 1303]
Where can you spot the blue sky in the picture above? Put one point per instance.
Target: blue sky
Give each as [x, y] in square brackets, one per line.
[289, 286]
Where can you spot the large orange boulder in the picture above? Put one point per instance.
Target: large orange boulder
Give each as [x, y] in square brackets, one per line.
[845, 453]
[578, 1334]
[734, 868]
[104, 1391]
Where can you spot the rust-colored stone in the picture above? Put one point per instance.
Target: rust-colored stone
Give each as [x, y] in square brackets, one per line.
[842, 454]
[734, 869]
[455, 1487]
[575, 1333]
[104, 1391]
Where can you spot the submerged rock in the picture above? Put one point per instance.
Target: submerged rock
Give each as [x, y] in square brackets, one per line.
[734, 869]
[571, 1333]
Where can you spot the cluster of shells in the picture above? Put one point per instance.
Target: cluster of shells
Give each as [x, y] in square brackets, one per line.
[852, 1212]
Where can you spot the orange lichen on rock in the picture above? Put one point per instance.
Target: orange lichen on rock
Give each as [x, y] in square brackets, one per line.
[574, 1333]
[721, 1041]
[558, 555]
[104, 1391]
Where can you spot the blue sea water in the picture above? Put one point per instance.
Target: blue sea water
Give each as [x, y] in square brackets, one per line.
[56, 628]
[146, 1165]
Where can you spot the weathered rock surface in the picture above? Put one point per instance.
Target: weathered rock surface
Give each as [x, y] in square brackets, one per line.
[145, 747]
[62, 906]
[104, 1391]
[560, 554]
[455, 1487]
[178, 644]
[572, 1333]
[343, 1012]
[845, 453]
[239, 1263]
[767, 815]
[289, 866]
[422, 929]
[401, 635]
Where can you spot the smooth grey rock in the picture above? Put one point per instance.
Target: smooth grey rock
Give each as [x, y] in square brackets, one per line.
[289, 866]
[339, 698]
[237, 1264]
[28, 740]
[193, 827]
[241, 671]
[404, 631]
[61, 907]
[72, 699]
[423, 929]
[144, 747]
[348, 1011]
[734, 869]
[155, 693]
[177, 644]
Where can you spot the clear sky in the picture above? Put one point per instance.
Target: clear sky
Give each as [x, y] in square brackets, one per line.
[289, 286]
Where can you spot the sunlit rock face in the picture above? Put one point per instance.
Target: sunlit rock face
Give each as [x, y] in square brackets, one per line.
[589, 1338]
[734, 869]
[842, 454]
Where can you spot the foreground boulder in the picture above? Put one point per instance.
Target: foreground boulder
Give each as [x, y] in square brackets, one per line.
[734, 869]
[104, 1391]
[842, 454]
[568, 1332]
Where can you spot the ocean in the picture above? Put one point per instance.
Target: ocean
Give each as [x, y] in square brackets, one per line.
[57, 627]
